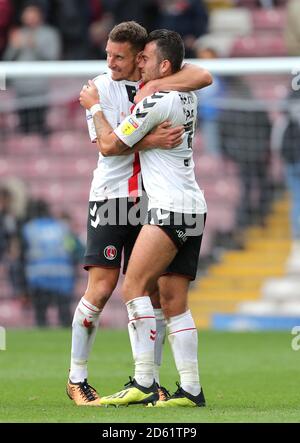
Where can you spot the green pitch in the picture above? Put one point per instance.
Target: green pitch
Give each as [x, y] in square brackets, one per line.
[247, 377]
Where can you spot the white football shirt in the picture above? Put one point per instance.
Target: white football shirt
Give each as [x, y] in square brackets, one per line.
[168, 175]
[116, 176]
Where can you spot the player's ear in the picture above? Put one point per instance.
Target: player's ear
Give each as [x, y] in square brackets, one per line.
[165, 67]
[138, 57]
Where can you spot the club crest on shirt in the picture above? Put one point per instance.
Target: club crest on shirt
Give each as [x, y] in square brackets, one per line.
[110, 252]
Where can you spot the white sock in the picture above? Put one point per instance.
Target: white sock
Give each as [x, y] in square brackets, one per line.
[183, 338]
[142, 332]
[84, 329]
[159, 341]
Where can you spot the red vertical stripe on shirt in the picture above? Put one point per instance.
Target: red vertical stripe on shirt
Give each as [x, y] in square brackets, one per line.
[133, 182]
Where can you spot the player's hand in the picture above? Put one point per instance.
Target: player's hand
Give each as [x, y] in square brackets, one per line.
[166, 137]
[89, 95]
[147, 89]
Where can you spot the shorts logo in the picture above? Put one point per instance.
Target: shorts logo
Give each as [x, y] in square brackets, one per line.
[110, 252]
[129, 127]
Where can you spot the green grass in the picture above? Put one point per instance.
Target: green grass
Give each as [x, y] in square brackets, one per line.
[247, 377]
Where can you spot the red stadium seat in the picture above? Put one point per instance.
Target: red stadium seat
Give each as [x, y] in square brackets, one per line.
[221, 218]
[24, 144]
[12, 314]
[222, 191]
[259, 45]
[269, 19]
[70, 142]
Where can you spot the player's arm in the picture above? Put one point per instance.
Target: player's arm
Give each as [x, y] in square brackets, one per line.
[189, 78]
[163, 135]
[110, 144]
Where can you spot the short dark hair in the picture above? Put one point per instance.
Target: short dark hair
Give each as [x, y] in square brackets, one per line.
[38, 208]
[170, 46]
[130, 32]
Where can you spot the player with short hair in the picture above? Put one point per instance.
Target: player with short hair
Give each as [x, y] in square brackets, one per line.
[168, 247]
[117, 180]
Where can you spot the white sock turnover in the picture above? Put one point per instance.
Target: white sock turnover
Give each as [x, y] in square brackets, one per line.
[183, 338]
[142, 332]
[84, 329]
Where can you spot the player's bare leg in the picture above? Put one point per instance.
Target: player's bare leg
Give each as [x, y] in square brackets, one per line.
[152, 253]
[101, 283]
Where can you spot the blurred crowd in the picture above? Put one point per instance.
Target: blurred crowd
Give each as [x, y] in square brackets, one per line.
[77, 30]
[39, 252]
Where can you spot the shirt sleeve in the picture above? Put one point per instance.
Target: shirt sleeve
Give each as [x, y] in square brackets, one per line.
[107, 108]
[149, 113]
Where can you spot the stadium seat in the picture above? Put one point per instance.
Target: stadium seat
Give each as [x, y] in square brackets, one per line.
[5, 169]
[221, 42]
[226, 191]
[56, 119]
[207, 243]
[269, 19]
[247, 3]
[259, 45]
[24, 144]
[12, 314]
[208, 166]
[259, 308]
[290, 309]
[234, 21]
[282, 289]
[265, 86]
[220, 218]
[70, 142]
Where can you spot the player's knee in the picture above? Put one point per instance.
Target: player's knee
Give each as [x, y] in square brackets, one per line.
[133, 288]
[99, 293]
[169, 304]
[167, 298]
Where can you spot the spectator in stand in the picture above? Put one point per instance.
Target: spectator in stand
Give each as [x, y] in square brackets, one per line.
[144, 12]
[187, 17]
[292, 31]
[33, 41]
[8, 224]
[10, 243]
[48, 263]
[98, 33]
[73, 18]
[73, 242]
[19, 5]
[5, 23]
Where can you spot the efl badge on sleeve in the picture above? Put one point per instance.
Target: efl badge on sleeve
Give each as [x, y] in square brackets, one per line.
[129, 127]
